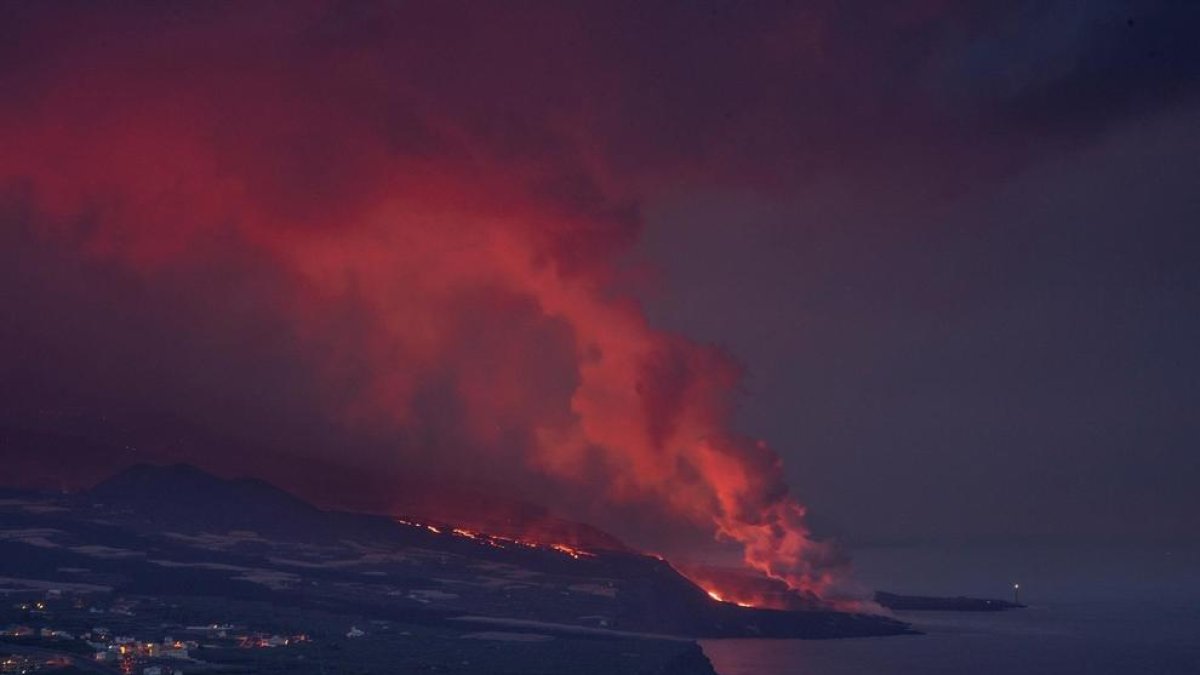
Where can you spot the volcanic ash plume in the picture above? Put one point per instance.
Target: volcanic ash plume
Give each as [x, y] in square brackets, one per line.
[445, 260]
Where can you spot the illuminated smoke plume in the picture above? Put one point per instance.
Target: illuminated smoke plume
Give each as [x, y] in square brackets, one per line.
[430, 230]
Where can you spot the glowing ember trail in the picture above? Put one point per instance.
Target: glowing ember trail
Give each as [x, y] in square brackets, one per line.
[498, 541]
[741, 588]
[717, 596]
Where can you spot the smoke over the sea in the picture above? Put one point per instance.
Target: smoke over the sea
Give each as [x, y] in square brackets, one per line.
[362, 245]
[442, 257]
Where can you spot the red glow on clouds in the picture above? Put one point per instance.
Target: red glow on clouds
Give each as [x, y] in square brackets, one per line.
[416, 245]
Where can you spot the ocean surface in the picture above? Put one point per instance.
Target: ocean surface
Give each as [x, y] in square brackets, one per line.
[1095, 610]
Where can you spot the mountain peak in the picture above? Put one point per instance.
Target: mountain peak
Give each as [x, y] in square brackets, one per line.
[181, 493]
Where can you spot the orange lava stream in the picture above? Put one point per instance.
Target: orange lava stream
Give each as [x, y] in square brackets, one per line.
[498, 541]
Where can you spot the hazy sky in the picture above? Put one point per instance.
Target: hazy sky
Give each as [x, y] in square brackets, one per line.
[1018, 358]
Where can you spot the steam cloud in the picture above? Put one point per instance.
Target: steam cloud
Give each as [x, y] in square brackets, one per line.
[310, 221]
[422, 241]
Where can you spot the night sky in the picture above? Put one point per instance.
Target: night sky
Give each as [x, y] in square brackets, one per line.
[939, 258]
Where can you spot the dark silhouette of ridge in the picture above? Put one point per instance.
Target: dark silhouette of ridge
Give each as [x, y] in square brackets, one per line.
[143, 507]
[185, 497]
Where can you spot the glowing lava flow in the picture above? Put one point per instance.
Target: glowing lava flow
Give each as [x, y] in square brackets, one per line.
[497, 541]
[717, 596]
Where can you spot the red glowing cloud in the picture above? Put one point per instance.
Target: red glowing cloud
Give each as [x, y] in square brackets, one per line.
[427, 238]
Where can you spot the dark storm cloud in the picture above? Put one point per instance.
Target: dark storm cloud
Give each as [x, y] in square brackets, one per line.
[1121, 59]
[621, 92]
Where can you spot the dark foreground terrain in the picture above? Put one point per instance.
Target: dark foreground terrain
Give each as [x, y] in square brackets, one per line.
[314, 641]
[171, 566]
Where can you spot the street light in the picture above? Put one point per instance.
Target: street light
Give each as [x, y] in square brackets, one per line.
[1017, 593]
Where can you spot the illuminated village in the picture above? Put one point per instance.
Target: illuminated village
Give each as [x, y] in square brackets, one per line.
[52, 633]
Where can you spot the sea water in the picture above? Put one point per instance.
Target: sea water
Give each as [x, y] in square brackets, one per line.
[1092, 609]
